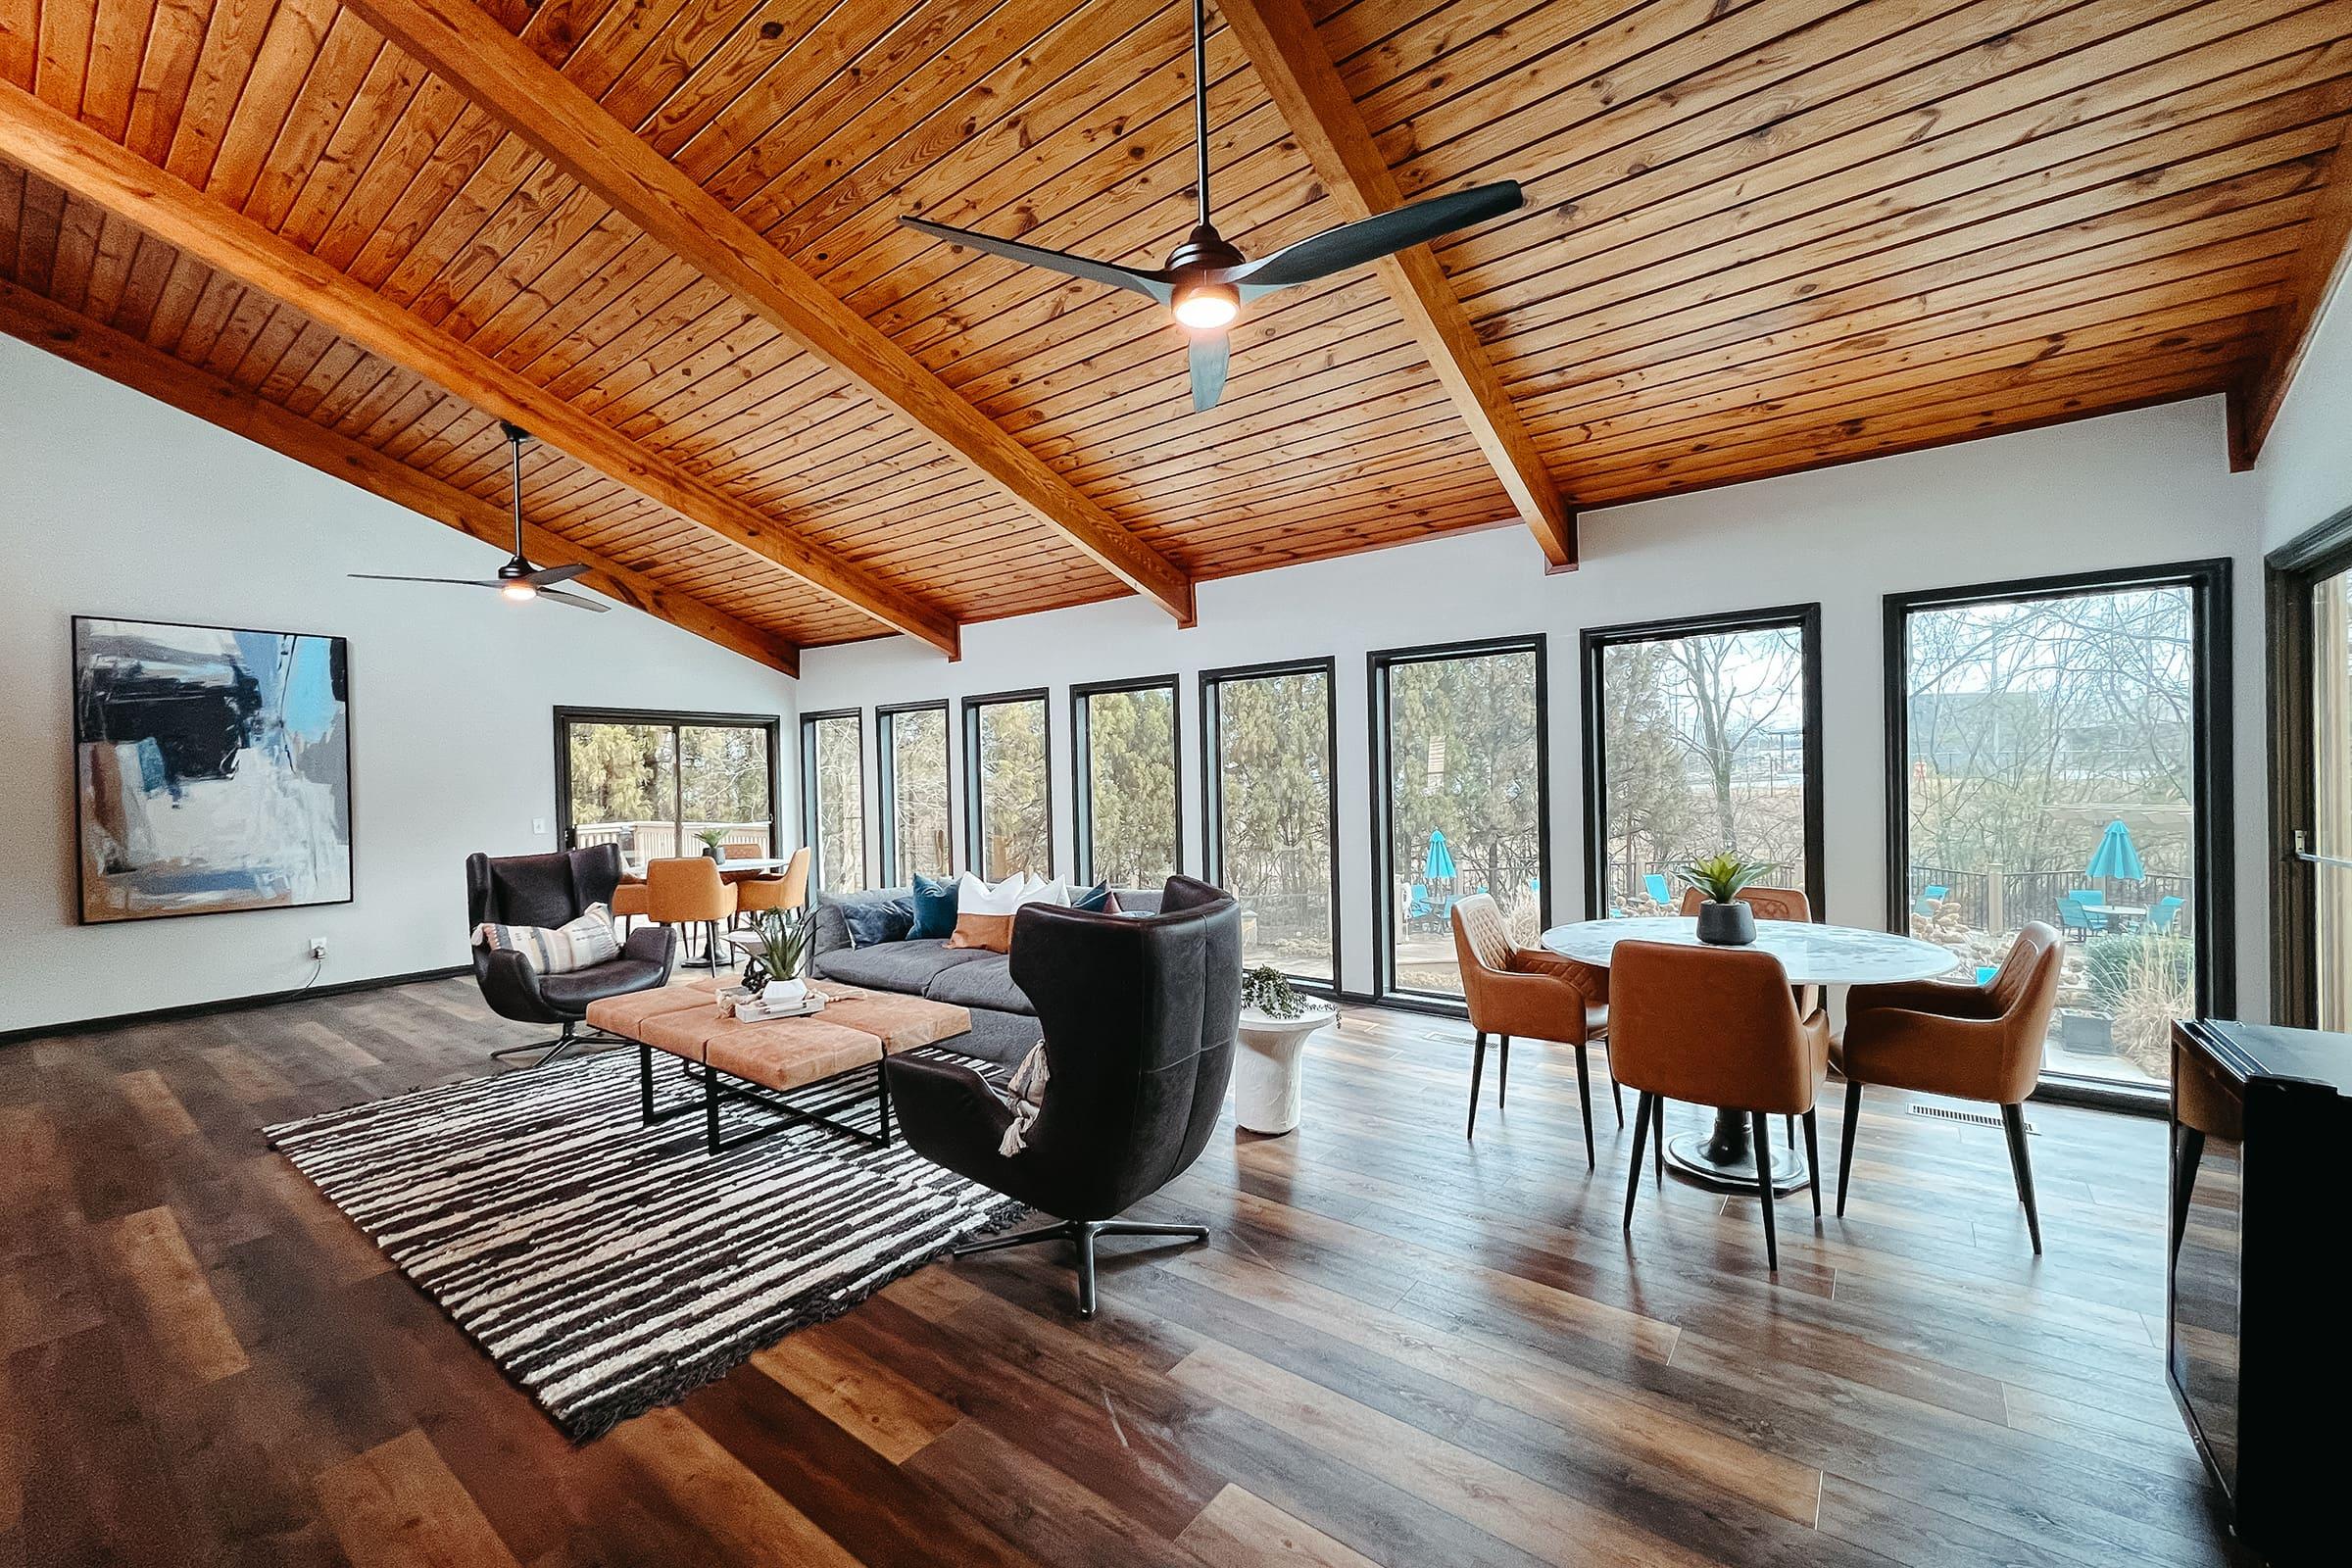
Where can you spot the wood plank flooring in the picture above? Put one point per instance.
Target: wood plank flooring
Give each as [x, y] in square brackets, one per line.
[1399, 1348]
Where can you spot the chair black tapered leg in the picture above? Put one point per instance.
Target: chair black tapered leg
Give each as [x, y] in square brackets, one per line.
[1761, 1130]
[1584, 1090]
[1478, 1070]
[1502, 1074]
[1792, 1120]
[1657, 1139]
[1813, 1158]
[1846, 1138]
[2021, 1163]
[1617, 1094]
[1644, 1113]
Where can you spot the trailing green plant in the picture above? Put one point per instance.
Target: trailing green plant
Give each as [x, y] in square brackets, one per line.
[2111, 965]
[1720, 876]
[1266, 989]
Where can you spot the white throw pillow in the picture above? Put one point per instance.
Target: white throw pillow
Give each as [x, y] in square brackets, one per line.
[1041, 891]
[975, 896]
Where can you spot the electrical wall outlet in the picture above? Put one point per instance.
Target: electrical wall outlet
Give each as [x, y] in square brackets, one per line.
[538, 825]
[319, 949]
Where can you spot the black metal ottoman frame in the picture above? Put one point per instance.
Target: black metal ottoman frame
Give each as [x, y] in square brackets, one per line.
[721, 1086]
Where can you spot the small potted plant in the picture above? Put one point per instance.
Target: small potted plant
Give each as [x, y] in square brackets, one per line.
[713, 840]
[775, 951]
[1265, 989]
[1722, 920]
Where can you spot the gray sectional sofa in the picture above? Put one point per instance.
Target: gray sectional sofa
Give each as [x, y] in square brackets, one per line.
[1004, 1023]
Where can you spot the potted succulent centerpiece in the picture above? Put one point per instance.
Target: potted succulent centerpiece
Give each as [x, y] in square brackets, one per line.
[713, 841]
[775, 951]
[1722, 920]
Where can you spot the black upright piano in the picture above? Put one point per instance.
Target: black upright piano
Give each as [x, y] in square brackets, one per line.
[2257, 1344]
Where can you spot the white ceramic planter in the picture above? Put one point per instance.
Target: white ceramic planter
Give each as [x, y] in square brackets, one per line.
[1266, 1068]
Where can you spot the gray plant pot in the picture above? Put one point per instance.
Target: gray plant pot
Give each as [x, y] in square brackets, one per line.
[1726, 925]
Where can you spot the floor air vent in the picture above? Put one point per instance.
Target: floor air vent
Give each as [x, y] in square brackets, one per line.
[1975, 1118]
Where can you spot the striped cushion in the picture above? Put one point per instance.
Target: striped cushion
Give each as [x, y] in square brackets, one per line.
[580, 943]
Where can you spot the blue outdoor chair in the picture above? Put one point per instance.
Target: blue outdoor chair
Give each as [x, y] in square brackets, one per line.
[2091, 899]
[2160, 916]
[2076, 921]
[1924, 905]
[1658, 890]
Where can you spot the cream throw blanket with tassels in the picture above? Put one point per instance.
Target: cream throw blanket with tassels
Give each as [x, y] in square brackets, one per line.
[1028, 1096]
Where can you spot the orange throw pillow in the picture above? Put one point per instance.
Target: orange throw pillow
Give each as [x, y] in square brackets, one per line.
[993, 932]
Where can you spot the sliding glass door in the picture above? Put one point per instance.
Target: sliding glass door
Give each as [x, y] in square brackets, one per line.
[833, 800]
[1701, 735]
[659, 784]
[1460, 765]
[1008, 784]
[910, 742]
[1267, 765]
[2060, 753]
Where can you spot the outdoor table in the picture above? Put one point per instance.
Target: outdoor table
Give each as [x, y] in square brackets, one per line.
[1813, 954]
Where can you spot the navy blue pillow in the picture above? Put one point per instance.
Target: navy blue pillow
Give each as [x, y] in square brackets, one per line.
[934, 907]
[876, 921]
[1094, 900]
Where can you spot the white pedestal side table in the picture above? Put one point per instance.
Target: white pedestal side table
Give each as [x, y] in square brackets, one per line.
[1266, 1070]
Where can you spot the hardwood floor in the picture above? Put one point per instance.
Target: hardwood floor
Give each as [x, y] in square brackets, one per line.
[1399, 1348]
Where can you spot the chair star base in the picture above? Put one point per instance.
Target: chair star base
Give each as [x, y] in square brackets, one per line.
[1081, 1233]
[571, 1039]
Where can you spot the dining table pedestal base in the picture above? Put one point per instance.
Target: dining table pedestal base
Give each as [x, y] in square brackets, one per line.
[1726, 1157]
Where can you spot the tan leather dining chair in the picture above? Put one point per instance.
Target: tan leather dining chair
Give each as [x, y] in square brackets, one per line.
[1530, 992]
[1968, 1042]
[1715, 1026]
[629, 900]
[690, 891]
[788, 891]
[1771, 904]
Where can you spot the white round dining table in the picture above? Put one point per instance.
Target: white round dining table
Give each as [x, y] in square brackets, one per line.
[1814, 956]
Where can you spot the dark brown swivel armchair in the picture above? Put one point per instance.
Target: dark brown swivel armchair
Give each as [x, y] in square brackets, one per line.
[1715, 1026]
[1968, 1042]
[1528, 992]
[553, 890]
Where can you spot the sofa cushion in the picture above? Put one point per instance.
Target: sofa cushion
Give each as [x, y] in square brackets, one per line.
[934, 907]
[872, 924]
[904, 966]
[832, 930]
[987, 983]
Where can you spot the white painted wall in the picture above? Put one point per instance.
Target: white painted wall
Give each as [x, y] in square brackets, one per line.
[2128, 490]
[2306, 466]
[112, 503]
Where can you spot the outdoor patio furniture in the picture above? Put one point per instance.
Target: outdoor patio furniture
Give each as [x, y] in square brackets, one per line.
[2075, 920]
[1658, 890]
[2160, 916]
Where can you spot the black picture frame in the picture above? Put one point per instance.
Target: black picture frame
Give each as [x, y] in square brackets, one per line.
[339, 657]
[1212, 820]
[1593, 649]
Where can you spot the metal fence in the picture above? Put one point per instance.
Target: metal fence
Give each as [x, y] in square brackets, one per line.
[1996, 899]
[640, 842]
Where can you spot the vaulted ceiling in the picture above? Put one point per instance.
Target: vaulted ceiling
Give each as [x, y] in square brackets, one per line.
[1761, 236]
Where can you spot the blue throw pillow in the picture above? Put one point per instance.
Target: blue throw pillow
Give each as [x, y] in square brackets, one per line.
[1094, 900]
[934, 907]
[876, 921]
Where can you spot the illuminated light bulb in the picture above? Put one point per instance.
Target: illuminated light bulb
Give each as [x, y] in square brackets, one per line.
[521, 592]
[1205, 306]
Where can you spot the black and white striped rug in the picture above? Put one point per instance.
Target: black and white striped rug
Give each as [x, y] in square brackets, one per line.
[607, 1267]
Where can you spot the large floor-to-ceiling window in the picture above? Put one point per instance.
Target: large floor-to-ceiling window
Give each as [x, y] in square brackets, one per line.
[1130, 817]
[833, 799]
[661, 785]
[1268, 763]
[2060, 753]
[1008, 784]
[1701, 735]
[910, 748]
[1459, 767]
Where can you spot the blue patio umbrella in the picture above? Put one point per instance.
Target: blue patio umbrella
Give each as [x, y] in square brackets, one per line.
[1438, 865]
[2115, 856]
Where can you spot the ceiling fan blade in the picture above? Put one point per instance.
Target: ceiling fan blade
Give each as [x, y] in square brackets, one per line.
[1369, 239]
[549, 576]
[465, 582]
[576, 601]
[1151, 285]
[1210, 353]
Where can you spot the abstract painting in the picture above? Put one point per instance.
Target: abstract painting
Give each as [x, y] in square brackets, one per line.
[213, 768]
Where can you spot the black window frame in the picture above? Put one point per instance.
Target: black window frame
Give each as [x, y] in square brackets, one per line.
[1082, 795]
[1377, 664]
[1212, 823]
[674, 719]
[886, 772]
[2214, 848]
[2291, 575]
[973, 778]
[808, 832]
[1594, 646]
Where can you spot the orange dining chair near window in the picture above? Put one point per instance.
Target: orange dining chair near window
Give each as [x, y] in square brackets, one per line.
[1715, 1026]
[1968, 1042]
[786, 892]
[690, 891]
[629, 900]
[1772, 904]
[1529, 992]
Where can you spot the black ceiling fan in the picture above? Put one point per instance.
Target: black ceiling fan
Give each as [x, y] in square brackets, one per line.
[518, 579]
[1208, 281]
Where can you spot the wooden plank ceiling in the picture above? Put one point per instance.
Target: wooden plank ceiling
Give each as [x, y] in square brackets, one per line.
[1761, 236]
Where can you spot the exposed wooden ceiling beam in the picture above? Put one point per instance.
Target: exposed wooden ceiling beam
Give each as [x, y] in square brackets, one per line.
[503, 76]
[119, 358]
[2320, 263]
[63, 150]
[1290, 60]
